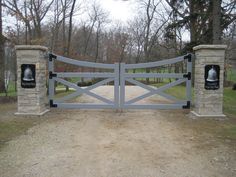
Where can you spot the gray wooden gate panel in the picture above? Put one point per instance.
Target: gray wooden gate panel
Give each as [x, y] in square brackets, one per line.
[181, 78]
[120, 76]
[107, 76]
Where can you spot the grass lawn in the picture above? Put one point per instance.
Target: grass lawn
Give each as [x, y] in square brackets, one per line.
[11, 90]
[230, 102]
[13, 128]
[231, 75]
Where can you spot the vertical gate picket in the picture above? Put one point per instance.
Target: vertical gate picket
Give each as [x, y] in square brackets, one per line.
[116, 85]
[122, 85]
[51, 82]
[189, 81]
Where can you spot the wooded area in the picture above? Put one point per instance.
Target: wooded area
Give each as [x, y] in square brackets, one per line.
[84, 30]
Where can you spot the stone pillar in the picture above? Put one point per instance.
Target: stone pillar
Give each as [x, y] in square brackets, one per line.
[209, 79]
[31, 80]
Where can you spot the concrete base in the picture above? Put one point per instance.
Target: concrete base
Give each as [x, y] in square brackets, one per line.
[32, 114]
[209, 116]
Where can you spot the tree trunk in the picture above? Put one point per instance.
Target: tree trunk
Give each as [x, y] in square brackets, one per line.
[192, 23]
[26, 32]
[97, 42]
[64, 28]
[88, 39]
[70, 27]
[216, 26]
[2, 62]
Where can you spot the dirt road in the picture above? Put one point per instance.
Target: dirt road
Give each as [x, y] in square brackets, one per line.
[105, 143]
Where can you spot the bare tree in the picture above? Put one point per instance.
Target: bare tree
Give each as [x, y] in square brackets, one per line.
[97, 17]
[37, 12]
[153, 26]
[216, 24]
[14, 8]
[2, 63]
[70, 27]
[136, 32]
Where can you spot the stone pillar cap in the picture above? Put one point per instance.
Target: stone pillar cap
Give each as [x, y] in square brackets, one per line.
[217, 47]
[31, 47]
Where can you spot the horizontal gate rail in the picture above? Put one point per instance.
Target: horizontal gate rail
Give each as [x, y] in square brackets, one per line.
[153, 75]
[155, 106]
[83, 106]
[85, 75]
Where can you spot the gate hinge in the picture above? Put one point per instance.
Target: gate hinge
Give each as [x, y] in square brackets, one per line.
[187, 106]
[52, 56]
[51, 75]
[188, 75]
[52, 105]
[188, 57]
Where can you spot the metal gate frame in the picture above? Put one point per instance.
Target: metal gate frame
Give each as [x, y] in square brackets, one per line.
[181, 78]
[119, 76]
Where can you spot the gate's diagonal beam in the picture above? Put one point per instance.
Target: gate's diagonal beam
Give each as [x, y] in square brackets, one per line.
[99, 83]
[140, 84]
[157, 91]
[151, 89]
[80, 91]
[75, 94]
[168, 97]
[67, 97]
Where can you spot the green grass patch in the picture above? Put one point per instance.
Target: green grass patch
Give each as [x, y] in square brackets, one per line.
[230, 101]
[231, 132]
[10, 129]
[11, 90]
[231, 75]
[177, 91]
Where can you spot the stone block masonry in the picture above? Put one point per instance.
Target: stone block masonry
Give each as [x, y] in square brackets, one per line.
[31, 101]
[208, 103]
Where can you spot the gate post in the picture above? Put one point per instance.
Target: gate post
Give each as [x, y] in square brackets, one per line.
[31, 80]
[209, 79]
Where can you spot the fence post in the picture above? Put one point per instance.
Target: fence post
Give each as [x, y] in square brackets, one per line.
[31, 80]
[122, 86]
[209, 79]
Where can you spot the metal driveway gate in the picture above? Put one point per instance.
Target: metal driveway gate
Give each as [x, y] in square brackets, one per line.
[120, 76]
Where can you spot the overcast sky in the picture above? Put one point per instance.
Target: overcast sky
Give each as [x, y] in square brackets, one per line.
[122, 10]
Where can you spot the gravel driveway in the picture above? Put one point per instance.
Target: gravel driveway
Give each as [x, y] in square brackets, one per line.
[105, 143]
